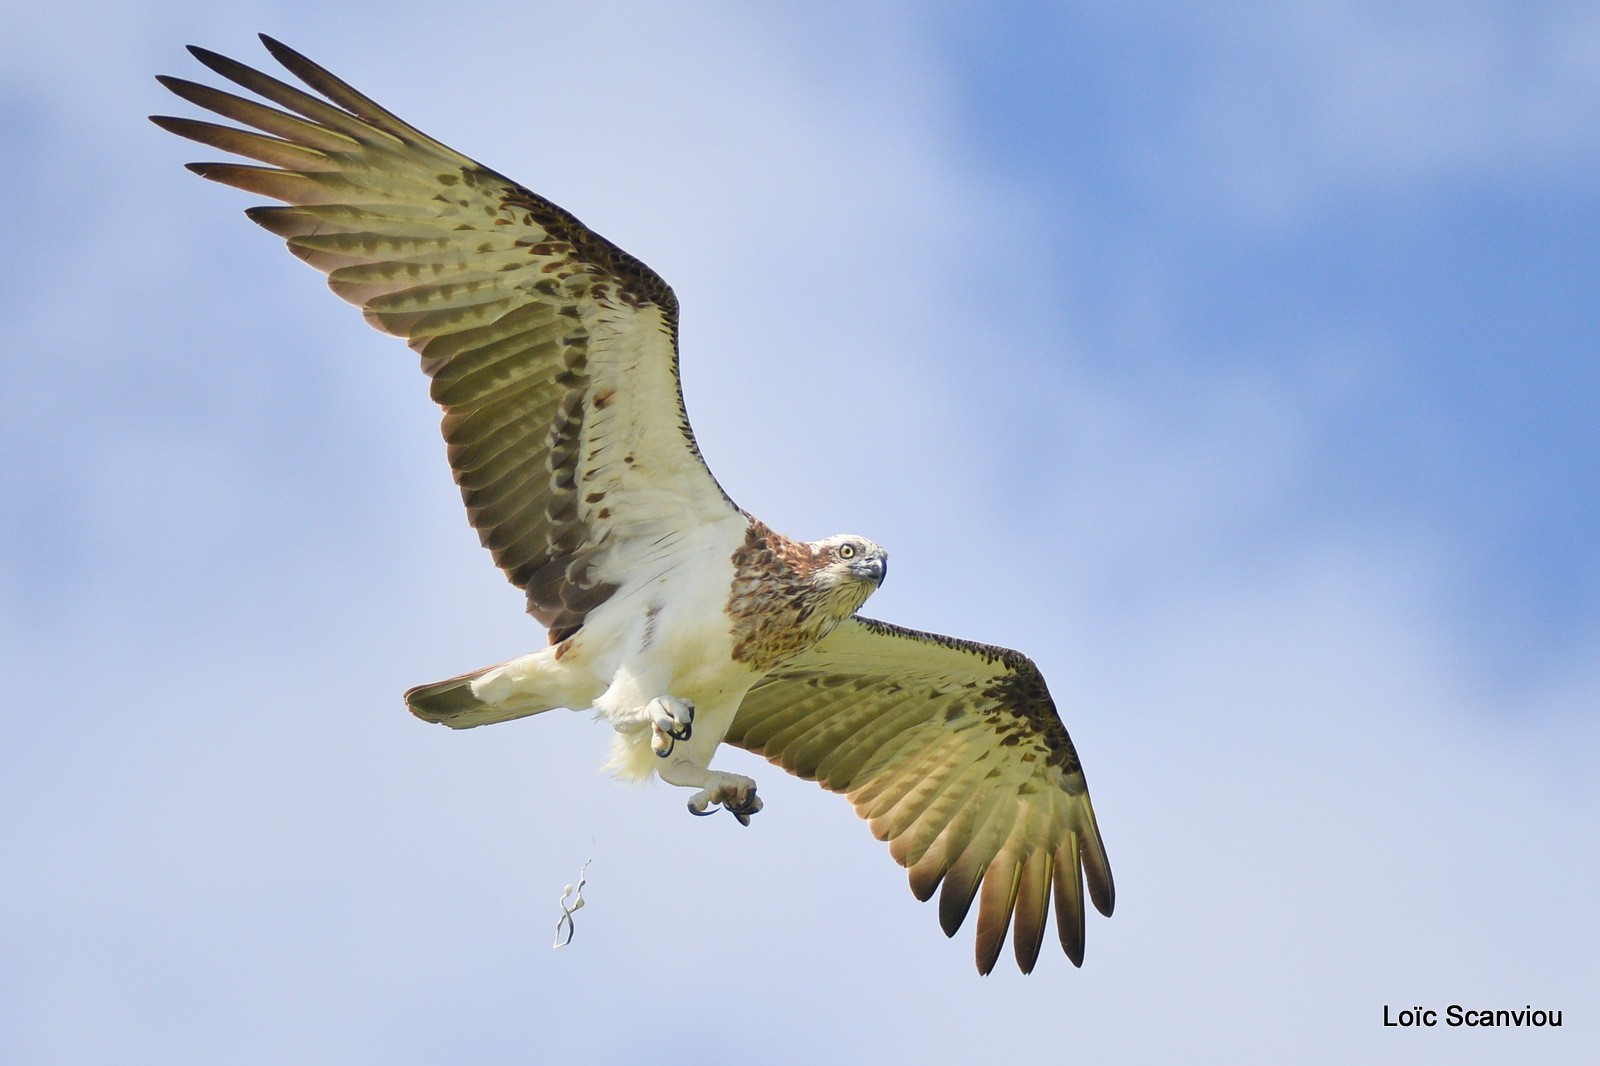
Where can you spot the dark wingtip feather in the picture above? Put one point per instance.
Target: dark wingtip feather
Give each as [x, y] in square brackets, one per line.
[986, 948]
[215, 60]
[925, 881]
[1097, 872]
[1101, 889]
[1032, 909]
[185, 89]
[280, 51]
[955, 900]
[1069, 900]
[286, 55]
[276, 218]
[996, 903]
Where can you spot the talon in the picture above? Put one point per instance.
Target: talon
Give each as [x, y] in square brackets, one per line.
[751, 805]
[701, 813]
[687, 729]
[670, 722]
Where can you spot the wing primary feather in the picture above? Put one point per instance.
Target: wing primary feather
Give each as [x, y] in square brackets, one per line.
[996, 899]
[1032, 908]
[256, 146]
[267, 181]
[1096, 868]
[295, 100]
[955, 899]
[341, 93]
[267, 119]
[1069, 899]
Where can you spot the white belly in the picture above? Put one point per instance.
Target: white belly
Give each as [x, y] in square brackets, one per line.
[668, 636]
[667, 633]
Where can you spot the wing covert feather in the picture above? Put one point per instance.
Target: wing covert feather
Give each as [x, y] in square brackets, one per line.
[955, 755]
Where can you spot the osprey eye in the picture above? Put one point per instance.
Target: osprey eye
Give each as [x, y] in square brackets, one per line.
[847, 551]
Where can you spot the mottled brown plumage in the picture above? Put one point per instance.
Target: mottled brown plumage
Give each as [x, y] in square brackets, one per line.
[775, 604]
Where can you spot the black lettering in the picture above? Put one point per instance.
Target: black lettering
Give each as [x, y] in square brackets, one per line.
[1408, 1018]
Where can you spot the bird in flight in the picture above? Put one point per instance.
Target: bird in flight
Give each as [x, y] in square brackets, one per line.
[681, 619]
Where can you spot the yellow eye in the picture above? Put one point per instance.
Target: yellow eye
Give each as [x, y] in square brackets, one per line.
[847, 551]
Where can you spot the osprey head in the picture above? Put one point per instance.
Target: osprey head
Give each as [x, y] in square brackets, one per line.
[848, 570]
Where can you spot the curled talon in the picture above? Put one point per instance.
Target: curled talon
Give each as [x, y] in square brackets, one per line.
[670, 720]
[744, 810]
[734, 793]
[685, 729]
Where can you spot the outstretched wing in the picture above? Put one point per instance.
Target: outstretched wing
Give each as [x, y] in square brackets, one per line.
[955, 755]
[552, 351]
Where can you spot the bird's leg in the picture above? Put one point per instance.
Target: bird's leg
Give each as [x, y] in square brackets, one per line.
[735, 793]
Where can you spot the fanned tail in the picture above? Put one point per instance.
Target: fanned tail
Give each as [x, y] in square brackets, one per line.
[451, 702]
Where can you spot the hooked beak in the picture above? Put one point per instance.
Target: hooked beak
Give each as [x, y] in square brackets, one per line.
[873, 568]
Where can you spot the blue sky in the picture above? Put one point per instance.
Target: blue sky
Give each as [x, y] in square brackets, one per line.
[1238, 366]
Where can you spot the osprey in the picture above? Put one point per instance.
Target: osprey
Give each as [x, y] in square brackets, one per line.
[682, 620]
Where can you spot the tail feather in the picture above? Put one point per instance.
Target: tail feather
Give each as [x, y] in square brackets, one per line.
[451, 702]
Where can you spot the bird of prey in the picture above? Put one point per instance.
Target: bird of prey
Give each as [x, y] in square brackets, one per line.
[682, 620]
